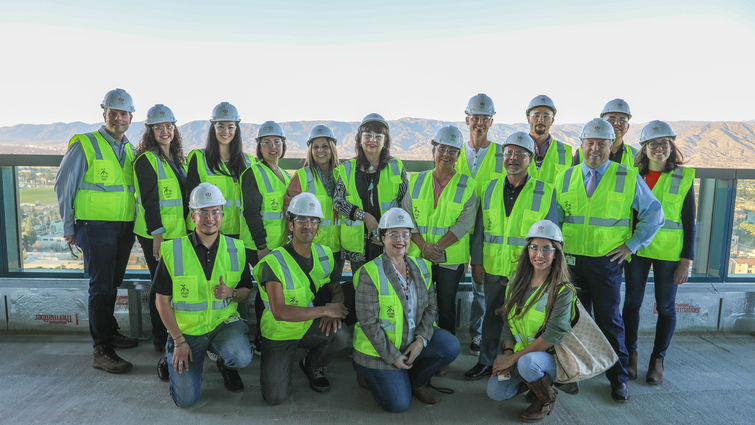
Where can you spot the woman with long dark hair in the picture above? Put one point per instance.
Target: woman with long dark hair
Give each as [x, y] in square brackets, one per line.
[672, 250]
[221, 163]
[160, 175]
[537, 312]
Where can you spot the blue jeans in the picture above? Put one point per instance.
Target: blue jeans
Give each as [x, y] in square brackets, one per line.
[492, 324]
[446, 285]
[531, 367]
[228, 340]
[392, 389]
[106, 246]
[665, 298]
[477, 311]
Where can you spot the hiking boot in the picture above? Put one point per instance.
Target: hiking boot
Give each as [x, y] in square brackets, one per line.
[316, 376]
[545, 400]
[231, 378]
[106, 359]
[162, 368]
[655, 371]
[474, 347]
[424, 395]
[632, 366]
[123, 341]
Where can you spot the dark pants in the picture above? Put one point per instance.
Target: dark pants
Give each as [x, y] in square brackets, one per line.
[106, 246]
[277, 356]
[446, 286]
[665, 299]
[392, 388]
[492, 324]
[159, 333]
[598, 283]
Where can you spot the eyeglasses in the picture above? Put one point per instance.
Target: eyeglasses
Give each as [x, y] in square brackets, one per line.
[447, 149]
[159, 128]
[222, 127]
[517, 154]
[206, 213]
[307, 220]
[545, 250]
[277, 143]
[541, 116]
[660, 144]
[396, 235]
[480, 118]
[617, 120]
[377, 137]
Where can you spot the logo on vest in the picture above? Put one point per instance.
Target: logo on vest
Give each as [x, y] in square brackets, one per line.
[416, 211]
[274, 204]
[566, 207]
[390, 312]
[167, 192]
[292, 300]
[184, 291]
[104, 174]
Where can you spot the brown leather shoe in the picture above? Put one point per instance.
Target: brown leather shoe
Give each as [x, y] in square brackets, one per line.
[655, 371]
[424, 395]
[545, 400]
[106, 359]
[632, 366]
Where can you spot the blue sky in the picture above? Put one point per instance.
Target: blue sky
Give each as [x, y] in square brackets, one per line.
[337, 60]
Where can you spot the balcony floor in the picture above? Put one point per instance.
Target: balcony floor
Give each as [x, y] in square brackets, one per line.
[709, 379]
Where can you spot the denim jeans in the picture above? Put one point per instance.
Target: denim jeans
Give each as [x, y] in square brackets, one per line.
[228, 340]
[477, 311]
[446, 286]
[492, 324]
[665, 298]
[106, 246]
[277, 356]
[530, 368]
[392, 389]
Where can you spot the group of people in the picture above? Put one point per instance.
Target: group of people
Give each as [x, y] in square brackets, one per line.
[541, 227]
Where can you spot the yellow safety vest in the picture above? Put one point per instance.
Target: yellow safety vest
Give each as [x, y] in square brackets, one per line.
[627, 156]
[107, 190]
[272, 190]
[171, 201]
[595, 226]
[352, 231]
[434, 222]
[230, 189]
[671, 189]
[557, 158]
[505, 237]
[391, 313]
[296, 289]
[491, 167]
[197, 310]
[329, 233]
[525, 328]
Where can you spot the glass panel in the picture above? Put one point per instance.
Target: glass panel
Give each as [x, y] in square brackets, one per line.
[42, 244]
[742, 256]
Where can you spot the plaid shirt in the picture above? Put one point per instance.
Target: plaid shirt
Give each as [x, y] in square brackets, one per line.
[541, 150]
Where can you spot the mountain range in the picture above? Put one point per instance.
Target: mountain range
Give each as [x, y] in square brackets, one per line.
[713, 144]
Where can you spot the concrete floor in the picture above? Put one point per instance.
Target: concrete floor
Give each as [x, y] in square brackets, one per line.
[48, 379]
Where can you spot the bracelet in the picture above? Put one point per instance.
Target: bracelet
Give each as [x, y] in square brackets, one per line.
[504, 350]
[359, 214]
[179, 336]
[178, 345]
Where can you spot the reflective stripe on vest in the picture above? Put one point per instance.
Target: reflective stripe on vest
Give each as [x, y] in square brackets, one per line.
[230, 189]
[273, 191]
[170, 201]
[328, 233]
[525, 328]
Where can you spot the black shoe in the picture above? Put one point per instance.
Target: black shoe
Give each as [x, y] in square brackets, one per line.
[162, 368]
[619, 392]
[569, 388]
[316, 376]
[231, 378]
[106, 359]
[257, 345]
[478, 371]
[123, 341]
[474, 347]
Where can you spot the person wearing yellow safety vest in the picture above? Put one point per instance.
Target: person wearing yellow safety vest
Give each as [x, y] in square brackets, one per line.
[317, 178]
[443, 204]
[672, 250]
[596, 200]
[618, 114]
[160, 176]
[509, 206]
[95, 191]
[537, 311]
[396, 347]
[482, 160]
[301, 309]
[200, 280]
[551, 156]
[221, 163]
[263, 187]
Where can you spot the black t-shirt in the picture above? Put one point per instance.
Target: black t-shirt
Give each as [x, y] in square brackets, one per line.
[510, 193]
[164, 284]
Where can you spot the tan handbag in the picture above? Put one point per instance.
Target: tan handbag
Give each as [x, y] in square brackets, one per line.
[584, 352]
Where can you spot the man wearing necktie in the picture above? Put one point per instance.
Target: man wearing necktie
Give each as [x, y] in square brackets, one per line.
[596, 200]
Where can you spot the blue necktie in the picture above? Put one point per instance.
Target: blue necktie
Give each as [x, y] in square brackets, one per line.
[592, 183]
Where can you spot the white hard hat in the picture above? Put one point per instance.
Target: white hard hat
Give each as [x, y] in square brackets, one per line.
[480, 104]
[160, 113]
[541, 100]
[619, 106]
[224, 111]
[270, 128]
[521, 139]
[305, 204]
[545, 229]
[321, 131]
[656, 129]
[598, 128]
[118, 99]
[206, 195]
[374, 117]
[449, 135]
[395, 217]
